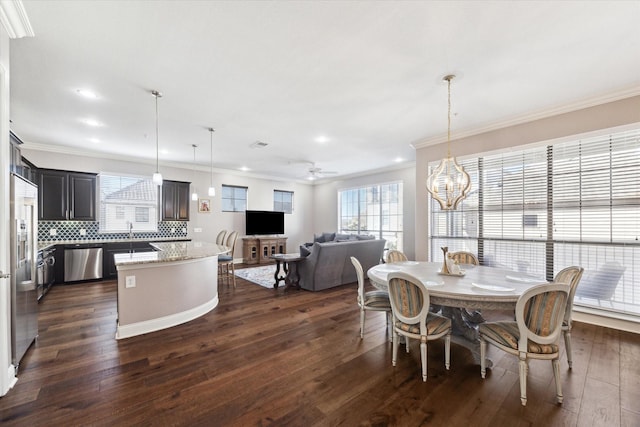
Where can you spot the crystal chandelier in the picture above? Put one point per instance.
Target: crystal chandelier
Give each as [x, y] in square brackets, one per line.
[448, 183]
[157, 176]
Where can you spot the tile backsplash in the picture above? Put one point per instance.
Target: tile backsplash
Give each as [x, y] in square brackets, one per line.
[71, 230]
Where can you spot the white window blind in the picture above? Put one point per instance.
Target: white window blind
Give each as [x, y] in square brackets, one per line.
[542, 209]
[234, 198]
[125, 201]
[283, 201]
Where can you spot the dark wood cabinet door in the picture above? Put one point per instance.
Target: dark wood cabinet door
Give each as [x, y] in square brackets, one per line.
[82, 197]
[169, 209]
[182, 201]
[52, 195]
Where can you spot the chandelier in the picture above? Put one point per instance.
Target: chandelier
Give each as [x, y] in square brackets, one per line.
[448, 183]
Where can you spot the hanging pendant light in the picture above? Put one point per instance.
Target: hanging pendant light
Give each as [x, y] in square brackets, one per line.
[157, 176]
[194, 195]
[212, 189]
[449, 183]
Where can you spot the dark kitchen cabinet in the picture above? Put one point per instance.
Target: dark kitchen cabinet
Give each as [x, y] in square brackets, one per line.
[175, 201]
[66, 195]
[109, 270]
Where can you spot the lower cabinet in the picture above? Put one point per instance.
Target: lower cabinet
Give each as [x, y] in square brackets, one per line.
[109, 270]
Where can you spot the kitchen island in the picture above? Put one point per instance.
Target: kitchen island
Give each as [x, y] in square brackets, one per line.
[173, 285]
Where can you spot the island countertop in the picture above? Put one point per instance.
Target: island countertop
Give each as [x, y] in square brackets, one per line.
[172, 251]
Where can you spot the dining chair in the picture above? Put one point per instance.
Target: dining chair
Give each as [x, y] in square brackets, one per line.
[463, 257]
[533, 335]
[372, 300]
[395, 255]
[220, 237]
[226, 267]
[569, 276]
[412, 318]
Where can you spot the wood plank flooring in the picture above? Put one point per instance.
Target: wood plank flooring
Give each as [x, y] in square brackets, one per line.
[266, 357]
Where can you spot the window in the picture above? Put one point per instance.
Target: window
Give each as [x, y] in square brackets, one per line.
[375, 209]
[542, 209]
[283, 201]
[234, 199]
[126, 200]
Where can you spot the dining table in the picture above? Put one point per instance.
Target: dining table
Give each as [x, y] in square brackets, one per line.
[476, 287]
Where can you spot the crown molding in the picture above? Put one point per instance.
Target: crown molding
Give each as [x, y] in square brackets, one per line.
[14, 19]
[538, 115]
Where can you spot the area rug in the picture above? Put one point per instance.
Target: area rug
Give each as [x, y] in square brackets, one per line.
[262, 275]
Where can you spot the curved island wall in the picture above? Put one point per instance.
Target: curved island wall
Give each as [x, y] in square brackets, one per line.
[158, 290]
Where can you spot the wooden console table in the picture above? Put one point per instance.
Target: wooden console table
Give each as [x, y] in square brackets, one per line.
[257, 250]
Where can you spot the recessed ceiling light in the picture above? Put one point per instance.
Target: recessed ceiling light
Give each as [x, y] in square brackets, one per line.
[86, 93]
[322, 139]
[398, 159]
[91, 122]
[164, 151]
[94, 140]
[245, 169]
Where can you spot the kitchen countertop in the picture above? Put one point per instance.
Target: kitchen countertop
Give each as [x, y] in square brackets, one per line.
[46, 244]
[172, 251]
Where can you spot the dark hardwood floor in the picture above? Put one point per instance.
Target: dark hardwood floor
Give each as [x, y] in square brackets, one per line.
[266, 357]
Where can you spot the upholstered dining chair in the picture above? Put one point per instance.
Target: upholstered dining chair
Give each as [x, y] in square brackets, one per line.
[220, 237]
[534, 334]
[372, 300]
[412, 318]
[226, 268]
[569, 276]
[395, 255]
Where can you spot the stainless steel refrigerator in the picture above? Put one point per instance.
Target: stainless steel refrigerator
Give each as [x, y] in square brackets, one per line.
[24, 250]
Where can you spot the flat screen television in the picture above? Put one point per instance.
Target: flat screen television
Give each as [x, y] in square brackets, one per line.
[264, 222]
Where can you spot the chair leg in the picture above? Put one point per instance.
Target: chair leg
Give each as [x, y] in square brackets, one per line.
[394, 353]
[423, 359]
[447, 351]
[523, 380]
[361, 323]
[390, 325]
[567, 346]
[233, 273]
[556, 375]
[406, 342]
[483, 357]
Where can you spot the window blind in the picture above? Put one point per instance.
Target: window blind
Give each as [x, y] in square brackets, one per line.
[541, 209]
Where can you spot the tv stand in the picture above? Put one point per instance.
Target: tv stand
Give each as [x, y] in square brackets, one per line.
[258, 249]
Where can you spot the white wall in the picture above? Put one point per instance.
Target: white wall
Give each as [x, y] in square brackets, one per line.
[298, 226]
[325, 201]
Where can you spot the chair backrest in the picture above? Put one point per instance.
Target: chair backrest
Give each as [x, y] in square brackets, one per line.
[569, 276]
[220, 237]
[395, 256]
[409, 299]
[539, 314]
[602, 284]
[360, 274]
[231, 241]
[464, 258]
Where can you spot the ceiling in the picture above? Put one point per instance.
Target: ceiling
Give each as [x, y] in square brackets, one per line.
[349, 86]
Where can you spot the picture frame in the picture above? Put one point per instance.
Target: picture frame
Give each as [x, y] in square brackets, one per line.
[204, 205]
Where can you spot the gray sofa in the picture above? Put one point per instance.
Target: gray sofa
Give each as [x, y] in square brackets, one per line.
[329, 263]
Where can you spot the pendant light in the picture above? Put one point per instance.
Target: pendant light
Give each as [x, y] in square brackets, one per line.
[449, 183]
[157, 176]
[212, 189]
[194, 195]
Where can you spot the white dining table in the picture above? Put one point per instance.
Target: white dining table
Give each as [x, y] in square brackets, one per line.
[478, 287]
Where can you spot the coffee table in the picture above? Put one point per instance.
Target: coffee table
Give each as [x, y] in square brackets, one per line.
[289, 264]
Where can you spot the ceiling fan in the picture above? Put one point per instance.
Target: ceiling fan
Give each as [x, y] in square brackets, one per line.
[317, 173]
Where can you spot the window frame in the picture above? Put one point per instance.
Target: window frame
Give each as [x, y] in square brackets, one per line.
[282, 207]
[236, 202]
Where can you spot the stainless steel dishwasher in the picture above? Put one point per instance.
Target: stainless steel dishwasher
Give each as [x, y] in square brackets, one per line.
[82, 262]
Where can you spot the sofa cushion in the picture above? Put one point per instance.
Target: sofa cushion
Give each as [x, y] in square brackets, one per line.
[344, 237]
[365, 237]
[304, 250]
[324, 237]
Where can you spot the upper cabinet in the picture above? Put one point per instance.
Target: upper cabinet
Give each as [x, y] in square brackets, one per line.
[175, 201]
[65, 195]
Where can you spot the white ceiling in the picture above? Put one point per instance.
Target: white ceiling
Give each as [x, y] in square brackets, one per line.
[367, 76]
